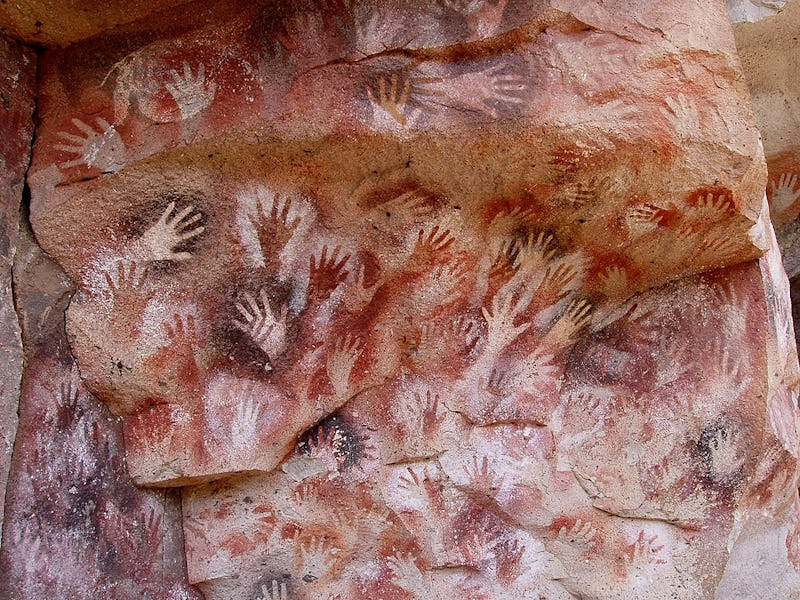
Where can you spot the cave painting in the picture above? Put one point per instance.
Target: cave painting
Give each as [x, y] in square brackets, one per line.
[430, 393]
[387, 356]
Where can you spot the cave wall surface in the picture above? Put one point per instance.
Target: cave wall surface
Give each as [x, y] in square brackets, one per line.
[770, 53]
[442, 299]
[17, 77]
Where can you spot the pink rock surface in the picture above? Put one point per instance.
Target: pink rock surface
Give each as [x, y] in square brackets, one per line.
[473, 305]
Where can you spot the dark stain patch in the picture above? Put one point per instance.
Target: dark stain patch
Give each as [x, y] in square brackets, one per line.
[339, 436]
[720, 454]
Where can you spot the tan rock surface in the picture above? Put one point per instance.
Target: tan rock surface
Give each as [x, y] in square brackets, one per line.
[770, 51]
[62, 22]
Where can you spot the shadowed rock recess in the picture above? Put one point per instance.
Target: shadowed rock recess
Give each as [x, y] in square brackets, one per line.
[431, 299]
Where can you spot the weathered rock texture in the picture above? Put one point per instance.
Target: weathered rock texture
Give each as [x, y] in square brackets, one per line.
[76, 527]
[754, 10]
[61, 22]
[770, 51]
[17, 76]
[453, 299]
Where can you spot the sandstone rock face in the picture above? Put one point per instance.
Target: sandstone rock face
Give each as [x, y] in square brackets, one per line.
[770, 52]
[76, 527]
[17, 76]
[452, 299]
[61, 22]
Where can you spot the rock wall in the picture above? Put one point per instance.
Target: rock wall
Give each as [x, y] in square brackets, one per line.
[76, 526]
[17, 76]
[770, 54]
[443, 299]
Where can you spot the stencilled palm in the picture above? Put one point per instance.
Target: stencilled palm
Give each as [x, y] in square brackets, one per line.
[495, 384]
[152, 531]
[439, 285]
[729, 364]
[416, 486]
[160, 241]
[714, 246]
[506, 309]
[660, 476]
[245, 422]
[392, 97]
[274, 225]
[614, 280]
[644, 551]
[532, 373]
[725, 457]
[265, 329]
[317, 557]
[409, 207]
[275, 590]
[430, 244]
[577, 316]
[429, 417]
[391, 106]
[183, 337]
[509, 561]
[127, 281]
[102, 149]
[127, 287]
[464, 332]
[358, 294]
[784, 193]
[340, 363]
[69, 394]
[324, 446]
[648, 214]
[454, 338]
[555, 285]
[496, 90]
[192, 92]
[578, 195]
[715, 206]
[408, 576]
[503, 264]
[480, 475]
[581, 536]
[507, 222]
[683, 115]
[326, 272]
[534, 252]
[502, 88]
